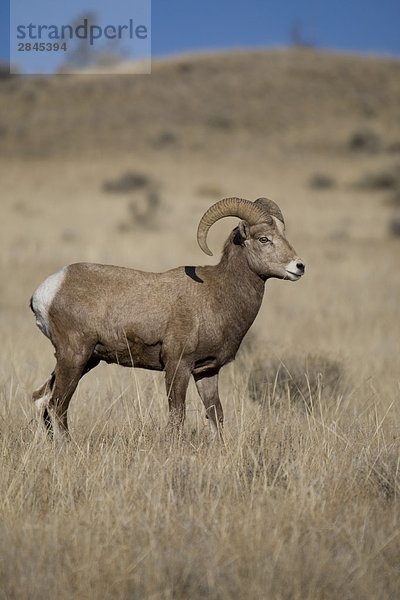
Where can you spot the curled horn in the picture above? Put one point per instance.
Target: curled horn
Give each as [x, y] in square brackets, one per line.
[270, 208]
[229, 207]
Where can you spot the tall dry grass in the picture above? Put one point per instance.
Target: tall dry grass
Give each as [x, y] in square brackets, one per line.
[299, 502]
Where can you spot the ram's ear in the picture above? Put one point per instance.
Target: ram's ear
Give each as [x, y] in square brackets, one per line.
[244, 230]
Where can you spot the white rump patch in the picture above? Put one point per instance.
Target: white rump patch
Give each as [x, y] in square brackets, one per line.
[43, 298]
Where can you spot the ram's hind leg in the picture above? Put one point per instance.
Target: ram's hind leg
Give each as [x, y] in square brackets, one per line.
[41, 398]
[69, 369]
[55, 395]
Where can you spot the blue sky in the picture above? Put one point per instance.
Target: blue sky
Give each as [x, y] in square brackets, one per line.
[363, 26]
[355, 25]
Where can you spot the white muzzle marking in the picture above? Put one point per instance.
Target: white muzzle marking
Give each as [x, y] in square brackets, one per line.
[293, 271]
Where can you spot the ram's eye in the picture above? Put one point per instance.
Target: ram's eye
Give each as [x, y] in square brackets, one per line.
[264, 240]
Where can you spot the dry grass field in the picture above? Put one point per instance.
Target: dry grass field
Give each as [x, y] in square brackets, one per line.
[302, 500]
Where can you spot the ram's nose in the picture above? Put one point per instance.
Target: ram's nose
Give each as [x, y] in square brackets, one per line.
[295, 269]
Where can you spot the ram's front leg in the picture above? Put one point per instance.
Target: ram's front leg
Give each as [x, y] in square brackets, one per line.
[207, 386]
[177, 375]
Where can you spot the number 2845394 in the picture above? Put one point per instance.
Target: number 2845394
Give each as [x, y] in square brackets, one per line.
[42, 47]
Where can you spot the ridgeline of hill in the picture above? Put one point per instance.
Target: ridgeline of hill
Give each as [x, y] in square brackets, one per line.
[201, 103]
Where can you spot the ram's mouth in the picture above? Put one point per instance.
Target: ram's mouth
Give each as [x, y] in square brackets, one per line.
[293, 276]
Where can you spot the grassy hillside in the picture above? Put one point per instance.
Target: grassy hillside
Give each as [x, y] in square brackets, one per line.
[302, 501]
[195, 102]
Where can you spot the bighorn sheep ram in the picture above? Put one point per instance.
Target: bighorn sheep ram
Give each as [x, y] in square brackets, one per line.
[188, 321]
